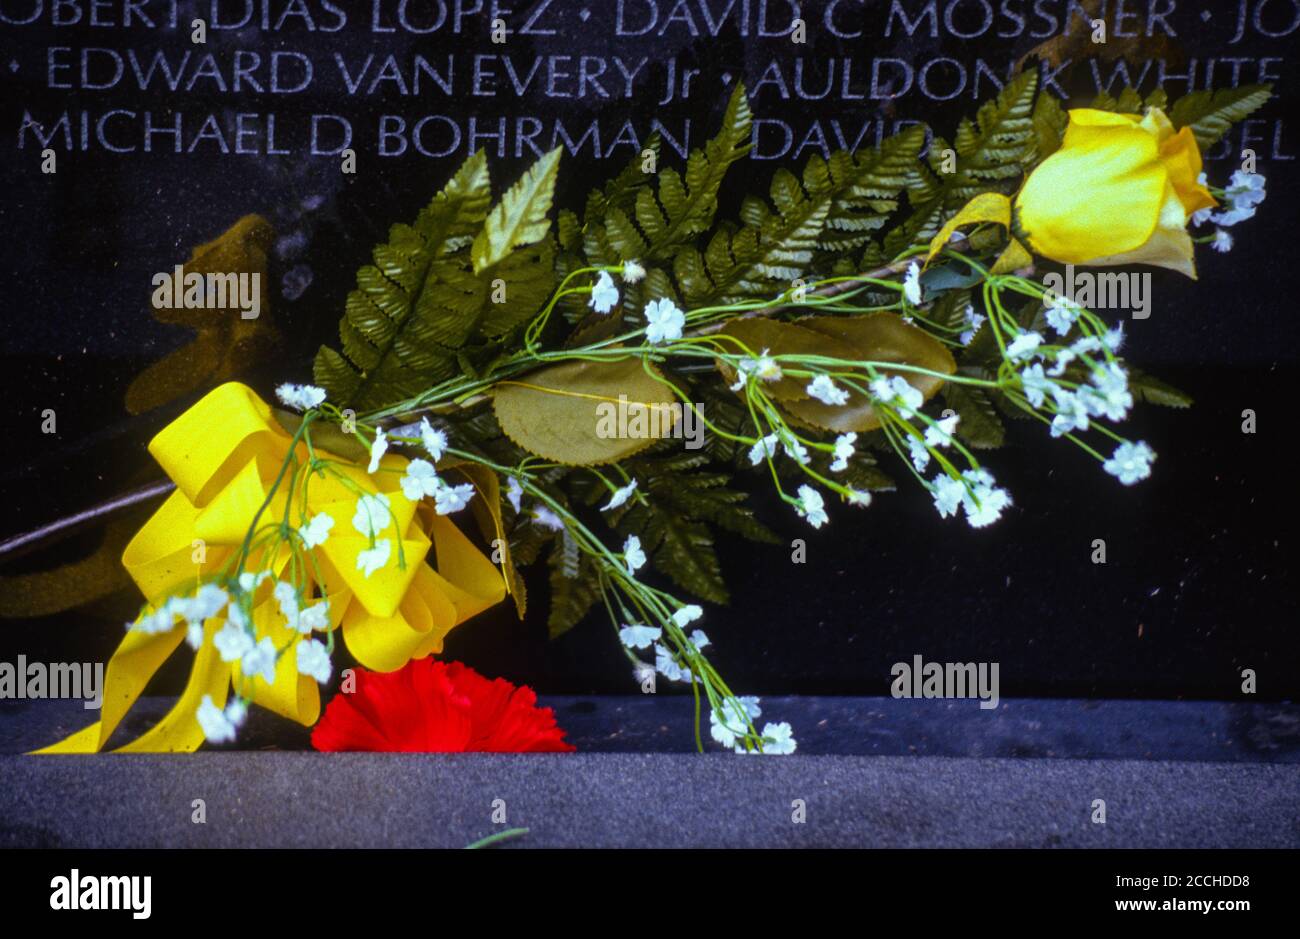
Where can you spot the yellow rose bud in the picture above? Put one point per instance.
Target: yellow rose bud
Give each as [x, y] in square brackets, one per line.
[1119, 191]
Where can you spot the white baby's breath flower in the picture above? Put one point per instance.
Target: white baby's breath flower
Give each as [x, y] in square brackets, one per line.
[194, 635]
[633, 556]
[547, 519]
[1245, 189]
[972, 321]
[232, 641]
[812, 507]
[664, 321]
[249, 581]
[699, 639]
[667, 666]
[1072, 412]
[1062, 313]
[217, 727]
[730, 720]
[206, 603]
[1234, 215]
[236, 711]
[620, 496]
[778, 739]
[300, 397]
[912, 284]
[314, 618]
[316, 531]
[1063, 359]
[449, 499]
[983, 500]
[287, 596]
[633, 272]
[1222, 242]
[314, 660]
[1111, 397]
[764, 449]
[939, 434]
[236, 617]
[948, 494]
[260, 660]
[744, 369]
[370, 560]
[637, 636]
[794, 449]
[161, 620]
[1024, 345]
[420, 480]
[858, 498]
[1130, 463]
[687, 614]
[434, 440]
[907, 398]
[377, 449]
[919, 452]
[514, 493]
[1036, 385]
[843, 452]
[372, 515]
[767, 368]
[826, 391]
[603, 294]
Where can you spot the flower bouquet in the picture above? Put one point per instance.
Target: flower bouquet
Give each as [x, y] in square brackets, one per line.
[594, 390]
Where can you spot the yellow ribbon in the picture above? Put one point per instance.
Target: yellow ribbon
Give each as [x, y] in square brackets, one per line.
[224, 454]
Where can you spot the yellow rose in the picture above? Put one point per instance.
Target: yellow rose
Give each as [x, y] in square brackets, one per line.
[1119, 191]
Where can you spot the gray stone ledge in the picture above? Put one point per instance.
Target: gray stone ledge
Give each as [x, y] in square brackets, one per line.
[311, 800]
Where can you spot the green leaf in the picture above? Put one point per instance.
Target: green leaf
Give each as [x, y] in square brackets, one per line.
[575, 585]
[878, 337]
[706, 497]
[393, 344]
[621, 191]
[754, 334]
[521, 217]
[1050, 121]
[1154, 391]
[835, 206]
[583, 413]
[865, 187]
[1129, 102]
[864, 474]
[685, 206]
[680, 547]
[1210, 114]
[992, 153]
[997, 146]
[980, 425]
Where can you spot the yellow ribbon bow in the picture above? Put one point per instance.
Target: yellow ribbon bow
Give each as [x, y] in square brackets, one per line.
[225, 454]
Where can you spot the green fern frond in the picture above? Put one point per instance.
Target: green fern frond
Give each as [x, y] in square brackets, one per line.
[392, 346]
[1210, 114]
[685, 205]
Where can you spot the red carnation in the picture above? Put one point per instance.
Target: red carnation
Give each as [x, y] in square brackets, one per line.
[436, 707]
